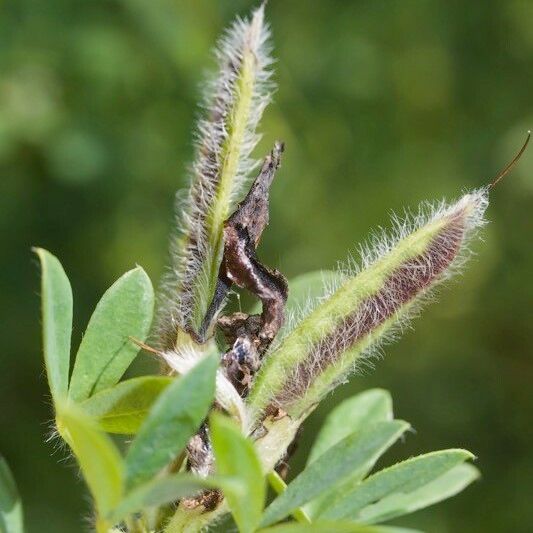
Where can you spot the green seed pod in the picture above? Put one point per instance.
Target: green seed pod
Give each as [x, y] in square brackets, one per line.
[234, 103]
[369, 307]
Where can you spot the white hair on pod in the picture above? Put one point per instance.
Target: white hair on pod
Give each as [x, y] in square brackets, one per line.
[191, 249]
[410, 284]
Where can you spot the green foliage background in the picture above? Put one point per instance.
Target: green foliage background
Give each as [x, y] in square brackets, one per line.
[382, 104]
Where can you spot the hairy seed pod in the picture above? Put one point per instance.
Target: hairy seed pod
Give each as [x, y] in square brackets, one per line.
[234, 103]
[368, 308]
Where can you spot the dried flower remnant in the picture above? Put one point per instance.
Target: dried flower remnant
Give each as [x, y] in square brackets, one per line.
[396, 276]
[250, 336]
[235, 101]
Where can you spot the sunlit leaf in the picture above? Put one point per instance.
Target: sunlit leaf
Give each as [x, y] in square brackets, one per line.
[56, 296]
[235, 456]
[175, 416]
[400, 503]
[352, 455]
[353, 414]
[106, 350]
[387, 485]
[99, 459]
[123, 408]
[11, 520]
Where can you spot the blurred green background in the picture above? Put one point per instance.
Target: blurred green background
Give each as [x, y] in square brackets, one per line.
[382, 104]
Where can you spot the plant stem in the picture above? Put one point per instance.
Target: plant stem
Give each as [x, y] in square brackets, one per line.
[279, 486]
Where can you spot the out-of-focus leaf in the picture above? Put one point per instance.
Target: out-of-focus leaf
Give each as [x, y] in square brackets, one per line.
[123, 408]
[11, 520]
[160, 491]
[106, 350]
[56, 296]
[400, 503]
[403, 478]
[354, 454]
[353, 414]
[99, 459]
[236, 457]
[175, 416]
[335, 527]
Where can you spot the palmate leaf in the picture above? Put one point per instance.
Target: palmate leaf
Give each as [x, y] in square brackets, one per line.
[175, 416]
[335, 527]
[350, 457]
[11, 519]
[106, 351]
[99, 459]
[56, 296]
[123, 408]
[353, 414]
[236, 457]
[387, 492]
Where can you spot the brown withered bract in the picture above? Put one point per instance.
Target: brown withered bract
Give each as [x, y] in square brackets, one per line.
[241, 332]
[240, 265]
[249, 336]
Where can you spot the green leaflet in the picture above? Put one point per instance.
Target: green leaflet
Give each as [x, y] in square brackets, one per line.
[397, 504]
[99, 459]
[353, 414]
[347, 459]
[106, 350]
[123, 408]
[236, 457]
[56, 296]
[403, 478]
[335, 527]
[175, 416]
[279, 486]
[11, 519]
[161, 491]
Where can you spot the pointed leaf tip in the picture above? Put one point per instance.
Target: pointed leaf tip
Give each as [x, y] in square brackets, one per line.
[396, 490]
[345, 463]
[351, 415]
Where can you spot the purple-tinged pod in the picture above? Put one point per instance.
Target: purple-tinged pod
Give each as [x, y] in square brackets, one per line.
[369, 307]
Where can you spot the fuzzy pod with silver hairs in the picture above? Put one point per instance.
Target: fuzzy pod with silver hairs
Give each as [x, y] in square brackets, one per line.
[369, 306]
[226, 135]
